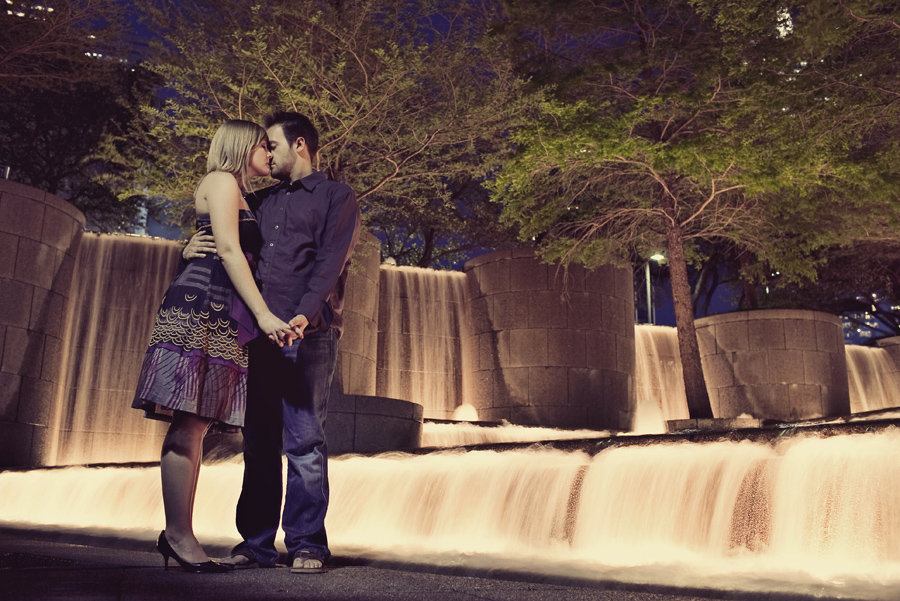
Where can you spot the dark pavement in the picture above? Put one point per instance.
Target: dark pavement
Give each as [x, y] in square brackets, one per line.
[54, 566]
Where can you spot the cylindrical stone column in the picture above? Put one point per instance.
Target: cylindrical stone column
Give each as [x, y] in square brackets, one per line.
[39, 236]
[553, 349]
[359, 343]
[774, 364]
[892, 347]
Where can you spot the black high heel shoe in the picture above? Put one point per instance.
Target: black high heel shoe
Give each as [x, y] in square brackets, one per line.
[209, 567]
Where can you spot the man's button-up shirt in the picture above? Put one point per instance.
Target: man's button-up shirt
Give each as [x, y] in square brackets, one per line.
[309, 228]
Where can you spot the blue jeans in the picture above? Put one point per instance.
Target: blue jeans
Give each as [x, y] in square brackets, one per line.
[287, 394]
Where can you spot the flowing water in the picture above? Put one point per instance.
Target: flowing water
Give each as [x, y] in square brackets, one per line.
[424, 339]
[873, 379]
[424, 355]
[445, 435]
[806, 514]
[811, 515]
[658, 380]
[118, 284]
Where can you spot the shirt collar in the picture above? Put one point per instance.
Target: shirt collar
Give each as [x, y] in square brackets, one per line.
[309, 182]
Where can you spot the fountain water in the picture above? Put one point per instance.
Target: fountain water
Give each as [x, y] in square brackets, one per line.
[805, 514]
[444, 435]
[424, 339]
[820, 514]
[118, 284]
[658, 379]
[873, 384]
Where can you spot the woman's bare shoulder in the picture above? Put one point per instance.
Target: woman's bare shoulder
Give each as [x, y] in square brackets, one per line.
[219, 181]
[216, 186]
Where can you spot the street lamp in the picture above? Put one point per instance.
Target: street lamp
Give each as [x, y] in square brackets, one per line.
[659, 259]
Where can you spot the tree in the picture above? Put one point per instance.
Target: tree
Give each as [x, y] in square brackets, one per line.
[64, 142]
[659, 138]
[411, 102]
[843, 60]
[861, 282]
[44, 45]
[68, 97]
[445, 232]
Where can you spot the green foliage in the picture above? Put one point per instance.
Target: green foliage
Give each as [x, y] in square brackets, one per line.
[704, 115]
[834, 68]
[412, 103]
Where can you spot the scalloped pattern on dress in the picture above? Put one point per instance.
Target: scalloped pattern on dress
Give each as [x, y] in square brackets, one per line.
[195, 330]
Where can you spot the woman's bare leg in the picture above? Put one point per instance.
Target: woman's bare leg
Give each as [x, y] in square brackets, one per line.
[180, 467]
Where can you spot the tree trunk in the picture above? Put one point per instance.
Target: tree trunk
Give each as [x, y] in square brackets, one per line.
[694, 382]
[428, 247]
[749, 300]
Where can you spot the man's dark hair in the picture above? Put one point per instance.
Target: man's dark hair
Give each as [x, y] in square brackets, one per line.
[295, 125]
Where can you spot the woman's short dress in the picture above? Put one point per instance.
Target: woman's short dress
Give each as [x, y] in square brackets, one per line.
[197, 359]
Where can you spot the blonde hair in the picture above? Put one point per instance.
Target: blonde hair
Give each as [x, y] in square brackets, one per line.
[231, 146]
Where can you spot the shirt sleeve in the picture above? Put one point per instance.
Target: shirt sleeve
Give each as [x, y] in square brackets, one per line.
[342, 226]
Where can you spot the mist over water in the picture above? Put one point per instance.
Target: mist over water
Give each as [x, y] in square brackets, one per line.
[807, 514]
[441, 435]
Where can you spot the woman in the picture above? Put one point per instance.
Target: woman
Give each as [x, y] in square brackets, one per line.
[195, 370]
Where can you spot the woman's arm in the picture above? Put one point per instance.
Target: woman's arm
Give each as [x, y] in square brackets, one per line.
[220, 193]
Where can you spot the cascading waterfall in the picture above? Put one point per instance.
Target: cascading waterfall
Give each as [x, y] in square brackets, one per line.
[802, 514]
[658, 379]
[806, 513]
[424, 338]
[872, 378]
[118, 284]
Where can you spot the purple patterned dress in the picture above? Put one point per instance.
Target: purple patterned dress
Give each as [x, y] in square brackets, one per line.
[197, 359]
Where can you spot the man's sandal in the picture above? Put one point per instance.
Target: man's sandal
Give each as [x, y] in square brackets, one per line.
[308, 563]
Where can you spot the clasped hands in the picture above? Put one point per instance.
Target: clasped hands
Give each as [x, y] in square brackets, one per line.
[282, 333]
[276, 331]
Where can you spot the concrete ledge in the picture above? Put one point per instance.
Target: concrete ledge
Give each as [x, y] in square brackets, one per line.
[493, 257]
[712, 425]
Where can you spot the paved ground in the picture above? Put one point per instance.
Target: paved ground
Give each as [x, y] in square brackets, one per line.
[37, 566]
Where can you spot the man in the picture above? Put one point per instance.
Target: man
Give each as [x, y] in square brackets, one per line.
[309, 227]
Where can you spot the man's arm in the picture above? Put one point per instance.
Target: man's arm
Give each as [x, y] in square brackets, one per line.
[342, 230]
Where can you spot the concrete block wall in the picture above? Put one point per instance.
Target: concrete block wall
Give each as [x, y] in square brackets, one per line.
[39, 238]
[548, 358]
[774, 364]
